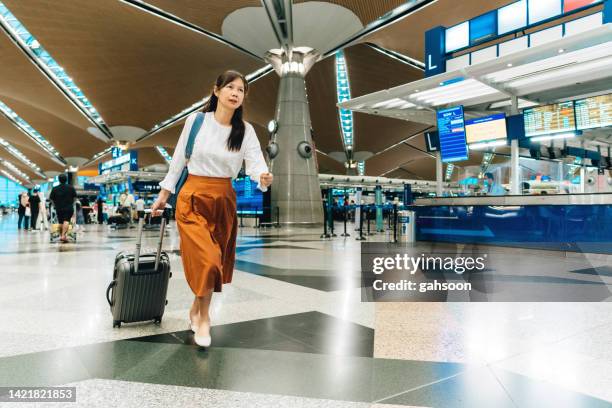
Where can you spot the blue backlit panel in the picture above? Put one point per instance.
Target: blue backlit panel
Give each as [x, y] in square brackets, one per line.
[343, 90]
[451, 131]
[483, 28]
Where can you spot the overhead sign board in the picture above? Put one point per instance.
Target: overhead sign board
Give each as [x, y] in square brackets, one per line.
[125, 162]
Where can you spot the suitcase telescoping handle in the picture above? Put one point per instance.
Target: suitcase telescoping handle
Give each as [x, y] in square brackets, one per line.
[139, 241]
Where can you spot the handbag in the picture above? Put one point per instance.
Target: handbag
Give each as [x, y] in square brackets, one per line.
[195, 128]
[28, 211]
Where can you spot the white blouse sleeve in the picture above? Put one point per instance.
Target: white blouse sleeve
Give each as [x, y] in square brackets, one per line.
[255, 165]
[178, 158]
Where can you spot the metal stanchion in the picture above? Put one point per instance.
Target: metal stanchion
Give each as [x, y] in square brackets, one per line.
[241, 215]
[278, 224]
[331, 223]
[389, 220]
[325, 234]
[361, 237]
[345, 234]
[369, 217]
[394, 223]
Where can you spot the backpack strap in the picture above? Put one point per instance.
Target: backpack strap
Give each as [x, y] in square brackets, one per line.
[195, 128]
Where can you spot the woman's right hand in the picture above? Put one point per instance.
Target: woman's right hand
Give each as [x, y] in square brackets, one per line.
[159, 205]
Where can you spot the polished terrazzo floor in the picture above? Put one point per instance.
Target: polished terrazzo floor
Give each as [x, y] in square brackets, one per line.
[290, 331]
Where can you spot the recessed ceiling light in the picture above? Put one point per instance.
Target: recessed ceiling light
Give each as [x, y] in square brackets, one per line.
[561, 50]
[509, 65]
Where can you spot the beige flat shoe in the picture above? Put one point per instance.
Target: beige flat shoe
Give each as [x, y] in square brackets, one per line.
[203, 341]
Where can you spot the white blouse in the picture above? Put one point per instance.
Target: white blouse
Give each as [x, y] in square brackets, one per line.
[211, 156]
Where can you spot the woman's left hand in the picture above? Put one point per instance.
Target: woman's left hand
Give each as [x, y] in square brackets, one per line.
[266, 179]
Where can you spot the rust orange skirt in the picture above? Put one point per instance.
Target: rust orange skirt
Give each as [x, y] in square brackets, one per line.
[207, 224]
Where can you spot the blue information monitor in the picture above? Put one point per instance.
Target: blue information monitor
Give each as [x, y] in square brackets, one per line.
[451, 130]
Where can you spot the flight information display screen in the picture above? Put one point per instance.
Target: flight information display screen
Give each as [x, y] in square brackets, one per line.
[594, 112]
[451, 131]
[545, 120]
[486, 129]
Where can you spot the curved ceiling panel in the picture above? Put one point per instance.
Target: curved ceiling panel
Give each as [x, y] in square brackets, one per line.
[321, 89]
[166, 138]
[208, 15]
[10, 158]
[37, 101]
[327, 165]
[135, 68]
[318, 25]
[399, 156]
[20, 79]
[370, 71]
[376, 133]
[422, 168]
[68, 139]
[260, 104]
[366, 10]
[27, 146]
[148, 156]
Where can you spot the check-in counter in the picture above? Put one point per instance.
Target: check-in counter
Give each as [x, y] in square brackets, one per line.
[573, 222]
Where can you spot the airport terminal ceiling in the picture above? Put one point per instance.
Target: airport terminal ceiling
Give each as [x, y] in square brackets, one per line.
[141, 63]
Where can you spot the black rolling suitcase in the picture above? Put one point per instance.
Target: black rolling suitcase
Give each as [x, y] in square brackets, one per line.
[140, 283]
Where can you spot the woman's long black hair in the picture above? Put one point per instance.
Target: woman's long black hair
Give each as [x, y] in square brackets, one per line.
[234, 142]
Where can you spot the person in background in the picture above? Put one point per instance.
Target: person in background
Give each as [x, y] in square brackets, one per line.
[63, 197]
[100, 209]
[86, 209]
[129, 204]
[34, 209]
[22, 201]
[42, 212]
[28, 211]
[492, 187]
[140, 207]
[79, 217]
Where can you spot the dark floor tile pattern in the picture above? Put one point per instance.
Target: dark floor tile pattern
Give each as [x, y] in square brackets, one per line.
[600, 270]
[324, 280]
[68, 247]
[244, 248]
[310, 332]
[401, 382]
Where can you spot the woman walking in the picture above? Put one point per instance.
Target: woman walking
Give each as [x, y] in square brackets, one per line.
[206, 205]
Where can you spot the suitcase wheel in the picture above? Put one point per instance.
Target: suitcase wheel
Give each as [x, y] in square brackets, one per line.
[157, 320]
[116, 323]
[166, 302]
[170, 275]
